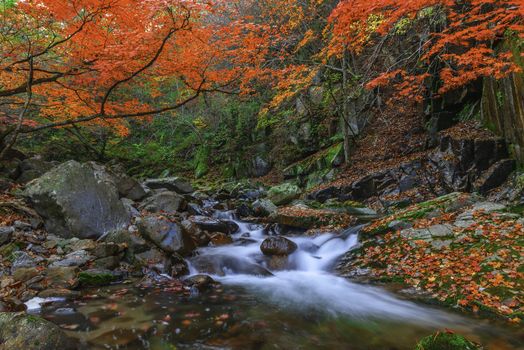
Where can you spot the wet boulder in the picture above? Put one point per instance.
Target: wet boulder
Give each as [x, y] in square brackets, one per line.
[175, 184]
[175, 265]
[219, 238]
[74, 202]
[278, 246]
[22, 331]
[220, 265]
[167, 235]
[135, 243]
[199, 236]
[165, 201]
[200, 282]
[214, 225]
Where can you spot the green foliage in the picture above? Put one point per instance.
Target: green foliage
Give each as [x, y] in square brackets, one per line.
[5, 4]
[201, 161]
[446, 341]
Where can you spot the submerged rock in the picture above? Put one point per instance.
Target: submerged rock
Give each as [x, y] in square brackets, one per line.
[200, 282]
[277, 246]
[219, 264]
[28, 332]
[74, 202]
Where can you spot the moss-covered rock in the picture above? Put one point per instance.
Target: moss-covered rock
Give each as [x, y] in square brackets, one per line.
[284, 193]
[96, 277]
[445, 204]
[28, 332]
[446, 341]
[75, 201]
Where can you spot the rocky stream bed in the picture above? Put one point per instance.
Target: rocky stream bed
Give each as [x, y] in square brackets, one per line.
[93, 259]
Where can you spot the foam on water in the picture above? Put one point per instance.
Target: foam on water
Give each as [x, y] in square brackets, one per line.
[307, 284]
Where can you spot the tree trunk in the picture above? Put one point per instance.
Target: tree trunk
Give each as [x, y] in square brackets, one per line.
[345, 110]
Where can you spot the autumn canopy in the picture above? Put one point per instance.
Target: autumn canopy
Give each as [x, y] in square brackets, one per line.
[69, 62]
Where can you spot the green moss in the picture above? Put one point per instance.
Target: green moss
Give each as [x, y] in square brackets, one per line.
[33, 319]
[8, 250]
[201, 159]
[446, 341]
[93, 279]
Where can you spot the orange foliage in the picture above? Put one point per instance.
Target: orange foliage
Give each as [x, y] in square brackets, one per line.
[90, 56]
[463, 48]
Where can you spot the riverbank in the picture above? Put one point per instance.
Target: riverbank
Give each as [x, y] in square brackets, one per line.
[74, 241]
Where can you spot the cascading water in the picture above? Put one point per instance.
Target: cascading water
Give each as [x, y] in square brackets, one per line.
[306, 282]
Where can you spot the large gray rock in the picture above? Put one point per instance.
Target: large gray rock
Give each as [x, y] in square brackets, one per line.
[28, 332]
[176, 184]
[167, 235]
[166, 201]
[75, 202]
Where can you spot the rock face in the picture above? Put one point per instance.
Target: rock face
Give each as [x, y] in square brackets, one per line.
[21, 331]
[167, 235]
[75, 203]
[277, 246]
[176, 184]
[462, 162]
[457, 165]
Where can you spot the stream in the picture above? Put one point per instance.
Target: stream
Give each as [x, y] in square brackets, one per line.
[302, 305]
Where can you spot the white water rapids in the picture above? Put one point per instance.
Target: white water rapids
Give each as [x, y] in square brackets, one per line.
[308, 285]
